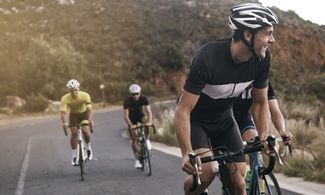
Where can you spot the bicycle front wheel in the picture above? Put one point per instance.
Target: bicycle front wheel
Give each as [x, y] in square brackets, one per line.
[269, 185]
[146, 161]
[81, 162]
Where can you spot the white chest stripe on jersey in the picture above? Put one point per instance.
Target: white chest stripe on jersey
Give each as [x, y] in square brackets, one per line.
[226, 90]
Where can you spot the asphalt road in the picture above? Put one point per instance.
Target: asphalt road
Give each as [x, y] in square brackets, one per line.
[35, 159]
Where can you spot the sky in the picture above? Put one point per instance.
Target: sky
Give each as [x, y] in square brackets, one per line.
[312, 10]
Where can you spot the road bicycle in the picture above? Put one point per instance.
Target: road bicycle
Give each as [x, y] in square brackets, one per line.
[259, 183]
[82, 156]
[262, 177]
[144, 153]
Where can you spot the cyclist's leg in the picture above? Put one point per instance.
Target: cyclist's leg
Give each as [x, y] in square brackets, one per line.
[133, 136]
[237, 173]
[248, 131]
[200, 143]
[247, 135]
[73, 123]
[247, 128]
[86, 135]
[134, 144]
[85, 131]
[230, 137]
[144, 119]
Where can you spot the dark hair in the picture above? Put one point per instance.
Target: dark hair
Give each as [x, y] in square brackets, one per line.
[238, 35]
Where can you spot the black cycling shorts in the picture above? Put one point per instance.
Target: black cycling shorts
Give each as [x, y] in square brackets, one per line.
[246, 123]
[75, 119]
[220, 133]
[136, 118]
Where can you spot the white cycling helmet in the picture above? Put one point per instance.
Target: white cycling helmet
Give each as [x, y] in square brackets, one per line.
[251, 16]
[73, 84]
[134, 88]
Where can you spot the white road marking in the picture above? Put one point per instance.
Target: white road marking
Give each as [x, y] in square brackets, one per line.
[23, 170]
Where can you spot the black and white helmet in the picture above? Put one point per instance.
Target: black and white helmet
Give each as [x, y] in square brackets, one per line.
[73, 84]
[134, 88]
[251, 16]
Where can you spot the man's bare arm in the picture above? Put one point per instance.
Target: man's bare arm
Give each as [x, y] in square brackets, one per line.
[260, 110]
[184, 107]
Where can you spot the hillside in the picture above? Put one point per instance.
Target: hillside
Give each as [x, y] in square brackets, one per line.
[116, 42]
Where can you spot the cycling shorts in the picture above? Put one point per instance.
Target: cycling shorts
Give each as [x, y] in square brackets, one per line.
[220, 133]
[246, 123]
[76, 119]
[137, 118]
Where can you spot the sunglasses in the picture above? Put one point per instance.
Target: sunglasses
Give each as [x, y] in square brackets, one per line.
[134, 94]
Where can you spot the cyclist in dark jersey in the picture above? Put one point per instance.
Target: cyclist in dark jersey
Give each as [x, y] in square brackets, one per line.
[244, 119]
[220, 71]
[136, 109]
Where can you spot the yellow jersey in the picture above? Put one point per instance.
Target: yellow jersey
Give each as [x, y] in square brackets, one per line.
[75, 105]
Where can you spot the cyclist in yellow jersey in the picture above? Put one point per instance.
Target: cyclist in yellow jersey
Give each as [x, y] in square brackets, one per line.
[78, 104]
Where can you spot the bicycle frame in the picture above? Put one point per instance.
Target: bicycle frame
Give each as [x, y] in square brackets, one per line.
[81, 157]
[259, 183]
[255, 173]
[81, 150]
[144, 152]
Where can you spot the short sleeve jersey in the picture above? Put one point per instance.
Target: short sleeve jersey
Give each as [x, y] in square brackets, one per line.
[75, 105]
[218, 80]
[244, 102]
[135, 107]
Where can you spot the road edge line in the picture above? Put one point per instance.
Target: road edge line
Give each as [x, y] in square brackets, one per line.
[23, 170]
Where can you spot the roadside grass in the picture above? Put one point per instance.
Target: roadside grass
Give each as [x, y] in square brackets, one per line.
[164, 122]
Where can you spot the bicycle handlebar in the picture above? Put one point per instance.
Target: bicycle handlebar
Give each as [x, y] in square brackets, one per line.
[142, 126]
[90, 127]
[222, 154]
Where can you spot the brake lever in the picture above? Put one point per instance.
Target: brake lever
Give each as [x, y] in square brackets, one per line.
[193, 161]
[272, 144]
[278, 156]
[290, 149]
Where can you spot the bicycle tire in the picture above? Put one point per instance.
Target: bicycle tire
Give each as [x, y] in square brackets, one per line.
[271, 188]
[146, 161]
[81, 162]
[141, 157]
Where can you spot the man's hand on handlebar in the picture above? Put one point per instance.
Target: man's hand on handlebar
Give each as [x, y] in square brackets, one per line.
[266, 148]
[287, 138]
[191, 164]
[132, 127]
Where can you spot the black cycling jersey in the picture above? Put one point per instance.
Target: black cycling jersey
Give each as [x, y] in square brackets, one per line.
[135, 108]
[243, 104]
[219, 80]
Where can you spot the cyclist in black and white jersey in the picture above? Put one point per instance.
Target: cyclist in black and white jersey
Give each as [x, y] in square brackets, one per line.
[220, 71]
[244, 119]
